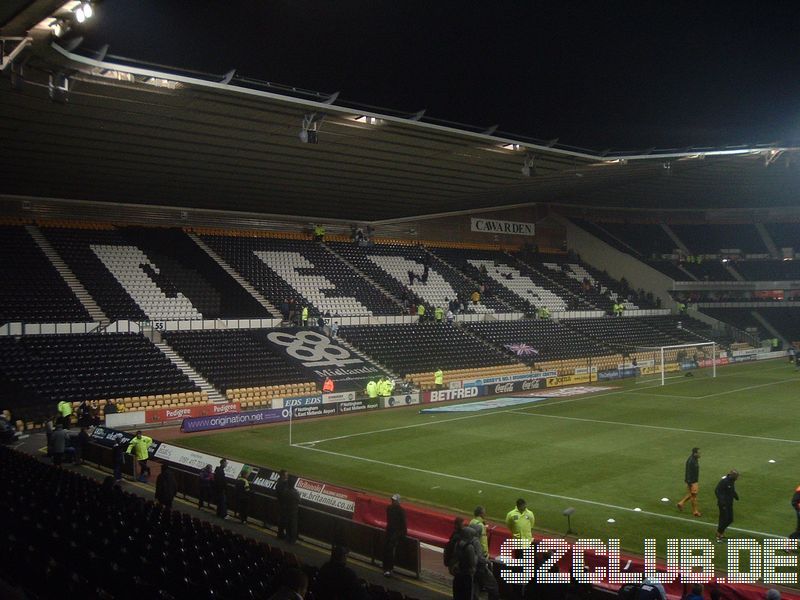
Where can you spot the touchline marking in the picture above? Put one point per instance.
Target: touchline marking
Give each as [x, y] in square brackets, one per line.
[535, 406]
[538, 493]
[750, 387]
[738, 435]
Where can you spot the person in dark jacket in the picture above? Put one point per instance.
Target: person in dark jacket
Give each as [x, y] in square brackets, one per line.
[395, 531]
[292, 504]
[692, 478]
[58, 444]
[466, 565]
[796, 507]
[166, 487]
[81, 443]
[283, 514]
[243, 495]
[206, 486]
[726, 494]
[118, 454]
[337, 581]
[220, 484]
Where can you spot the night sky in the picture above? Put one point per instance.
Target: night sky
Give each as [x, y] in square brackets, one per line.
[595, 74]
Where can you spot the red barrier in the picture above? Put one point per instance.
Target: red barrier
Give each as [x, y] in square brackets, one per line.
[435, 528]
[161, 415]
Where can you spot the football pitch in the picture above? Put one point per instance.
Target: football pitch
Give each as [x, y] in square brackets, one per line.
[614, 454]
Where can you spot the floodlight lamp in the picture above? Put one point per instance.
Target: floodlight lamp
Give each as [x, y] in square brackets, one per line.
[58, 28]
[88, 10]
[80, 16]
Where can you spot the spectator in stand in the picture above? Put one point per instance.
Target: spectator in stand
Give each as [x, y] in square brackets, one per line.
[292, 500]
[411, 277]
[396, 530]
[450, 317]
[421, 312]
[319, 233]
[166, 487]
[475, 297]
[206, 486]
[220, 485]
[94, 413]
[58, 444]
[295, 586]
[281, 487]
[243, 495]
[484, 580]
[438, 314]
[284, 308]
[337, 581]
[118, 458]
[84, 416]
[696, 592]
[64, 413]
[81, 443]
[335, 329]
[328, 386]
[304, 318]
[111, 408]
[139, 448]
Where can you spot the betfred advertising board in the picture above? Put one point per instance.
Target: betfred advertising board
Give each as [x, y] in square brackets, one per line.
[451, 394]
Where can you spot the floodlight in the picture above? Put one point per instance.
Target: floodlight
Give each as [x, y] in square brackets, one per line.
[88, 11]
[80, 16]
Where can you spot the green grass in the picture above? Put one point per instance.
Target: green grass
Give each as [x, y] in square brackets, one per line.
[603, 454]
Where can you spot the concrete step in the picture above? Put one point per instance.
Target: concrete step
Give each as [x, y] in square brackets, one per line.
[214, 395]
[67, 275]
[236, 276]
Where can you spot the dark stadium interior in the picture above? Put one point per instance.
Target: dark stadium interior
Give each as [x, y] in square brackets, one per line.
[182, 247]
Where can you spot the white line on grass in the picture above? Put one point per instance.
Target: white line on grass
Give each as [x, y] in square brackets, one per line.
[519, 489]
[536, 406]
[738, 435]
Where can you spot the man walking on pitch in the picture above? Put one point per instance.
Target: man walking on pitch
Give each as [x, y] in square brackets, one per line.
[726, 494]
[692, 477]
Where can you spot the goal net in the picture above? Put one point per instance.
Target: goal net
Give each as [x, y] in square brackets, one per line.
[661, 363]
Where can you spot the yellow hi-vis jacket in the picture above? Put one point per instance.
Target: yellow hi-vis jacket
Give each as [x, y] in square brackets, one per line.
[139, 447]
[521, 523]
[438, 377]
[372, 389]
[64, 408]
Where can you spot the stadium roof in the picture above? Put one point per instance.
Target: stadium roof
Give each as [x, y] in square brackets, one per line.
[108, 130]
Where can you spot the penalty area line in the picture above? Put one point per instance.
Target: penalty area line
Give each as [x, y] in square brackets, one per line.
[536, 492]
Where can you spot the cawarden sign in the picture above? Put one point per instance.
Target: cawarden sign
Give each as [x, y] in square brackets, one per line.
[507, 227]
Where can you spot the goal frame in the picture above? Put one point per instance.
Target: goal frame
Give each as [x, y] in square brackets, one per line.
[663, 349]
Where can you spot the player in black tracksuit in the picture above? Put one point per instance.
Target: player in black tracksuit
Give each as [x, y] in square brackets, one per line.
[726, 494]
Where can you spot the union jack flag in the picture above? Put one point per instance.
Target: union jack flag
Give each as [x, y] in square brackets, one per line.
[522, 349]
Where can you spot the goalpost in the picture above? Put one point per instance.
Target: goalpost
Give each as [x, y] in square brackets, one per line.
[655, 362]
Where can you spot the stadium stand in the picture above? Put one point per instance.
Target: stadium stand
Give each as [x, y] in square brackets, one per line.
[505, 278]
[423, 347]
[67, 532]
[597, 289]
[708, 270]
[551, 340]
[208, 287]
[738, 317]
[37, 371]
[33, 290]
[644, 239]
[113, 272]
[768, 270]
[785, 320]
[389, 264]
[712, 238]
[785, 235]
[625, 334]
[234, 359]
[283, 269]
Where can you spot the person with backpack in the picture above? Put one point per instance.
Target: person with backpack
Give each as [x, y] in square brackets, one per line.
[465, 565]
[450, 547]
[483, 580]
